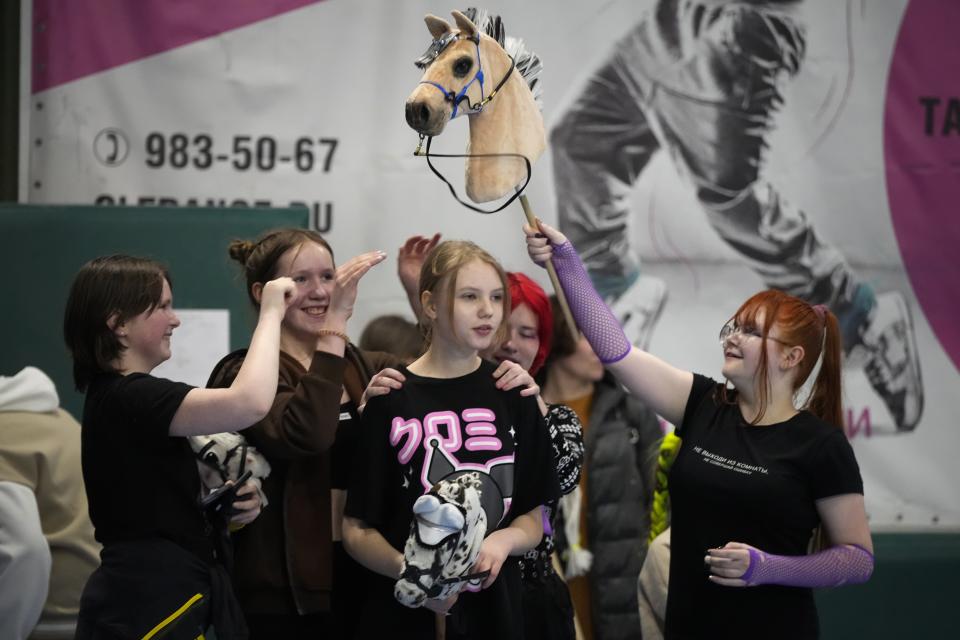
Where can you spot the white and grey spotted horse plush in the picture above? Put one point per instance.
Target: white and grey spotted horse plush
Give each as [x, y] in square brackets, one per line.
[448, 528]
[226, 456]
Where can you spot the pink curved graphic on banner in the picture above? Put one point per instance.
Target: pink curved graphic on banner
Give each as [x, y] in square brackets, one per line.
[76, 38]
[922, 157]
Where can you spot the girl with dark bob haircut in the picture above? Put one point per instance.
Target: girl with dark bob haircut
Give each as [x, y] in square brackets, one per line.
[159, 573]
[133, 285]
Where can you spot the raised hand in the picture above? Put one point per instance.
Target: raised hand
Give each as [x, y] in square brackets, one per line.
[348, 277]
[541, 240]
[410, 258]
[277, 295]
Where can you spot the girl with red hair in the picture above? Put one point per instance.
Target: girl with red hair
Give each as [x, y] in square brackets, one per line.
[547, 609]
[755, 473]
[530, 325]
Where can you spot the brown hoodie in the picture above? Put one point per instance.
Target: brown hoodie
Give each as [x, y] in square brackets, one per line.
[283, 558]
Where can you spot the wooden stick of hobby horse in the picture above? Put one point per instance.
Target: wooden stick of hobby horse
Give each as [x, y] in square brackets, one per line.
[552, 272]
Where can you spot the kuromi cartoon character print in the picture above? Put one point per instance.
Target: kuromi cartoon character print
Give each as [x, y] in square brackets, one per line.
[425, 452]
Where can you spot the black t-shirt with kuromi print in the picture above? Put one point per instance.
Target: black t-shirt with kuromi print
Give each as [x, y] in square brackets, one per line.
[736, 482]
[433, 429]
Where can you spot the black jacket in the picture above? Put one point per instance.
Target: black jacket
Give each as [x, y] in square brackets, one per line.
[621, 445]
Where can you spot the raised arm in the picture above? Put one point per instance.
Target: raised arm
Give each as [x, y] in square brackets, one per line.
[303, 417]
[343, 299]
[661, 386]
[249, 398]
[410, 259]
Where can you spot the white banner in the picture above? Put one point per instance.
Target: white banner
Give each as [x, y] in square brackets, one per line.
[302, 102]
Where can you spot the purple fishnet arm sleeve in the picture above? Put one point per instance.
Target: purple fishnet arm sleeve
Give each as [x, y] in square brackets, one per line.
[833, 567]
[593, 316]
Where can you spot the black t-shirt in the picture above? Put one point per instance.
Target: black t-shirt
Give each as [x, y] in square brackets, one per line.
[428, 430]
[733, 482]
[344, 446]
[141, 482]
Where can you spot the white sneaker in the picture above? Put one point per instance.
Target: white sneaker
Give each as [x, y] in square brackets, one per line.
[893, 364]
[639, 308]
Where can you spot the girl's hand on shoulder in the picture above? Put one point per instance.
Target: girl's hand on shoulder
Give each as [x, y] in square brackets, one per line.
[382, 384]
[278, 294]
[729, 563]
[540, 241]
[510, 375]
[348, 277]
[493, 552]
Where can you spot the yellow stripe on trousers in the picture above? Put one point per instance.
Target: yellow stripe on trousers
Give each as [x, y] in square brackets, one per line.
[173, 616]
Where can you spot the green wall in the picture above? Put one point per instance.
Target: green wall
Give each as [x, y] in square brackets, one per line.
[911, 595]
[43, 247]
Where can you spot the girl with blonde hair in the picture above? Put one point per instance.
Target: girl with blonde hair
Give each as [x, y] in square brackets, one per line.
[450, 418]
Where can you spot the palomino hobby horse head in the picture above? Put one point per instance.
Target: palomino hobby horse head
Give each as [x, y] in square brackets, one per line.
[468, 72]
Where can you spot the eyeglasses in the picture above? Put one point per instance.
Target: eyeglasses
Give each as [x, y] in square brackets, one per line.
[732, 328]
